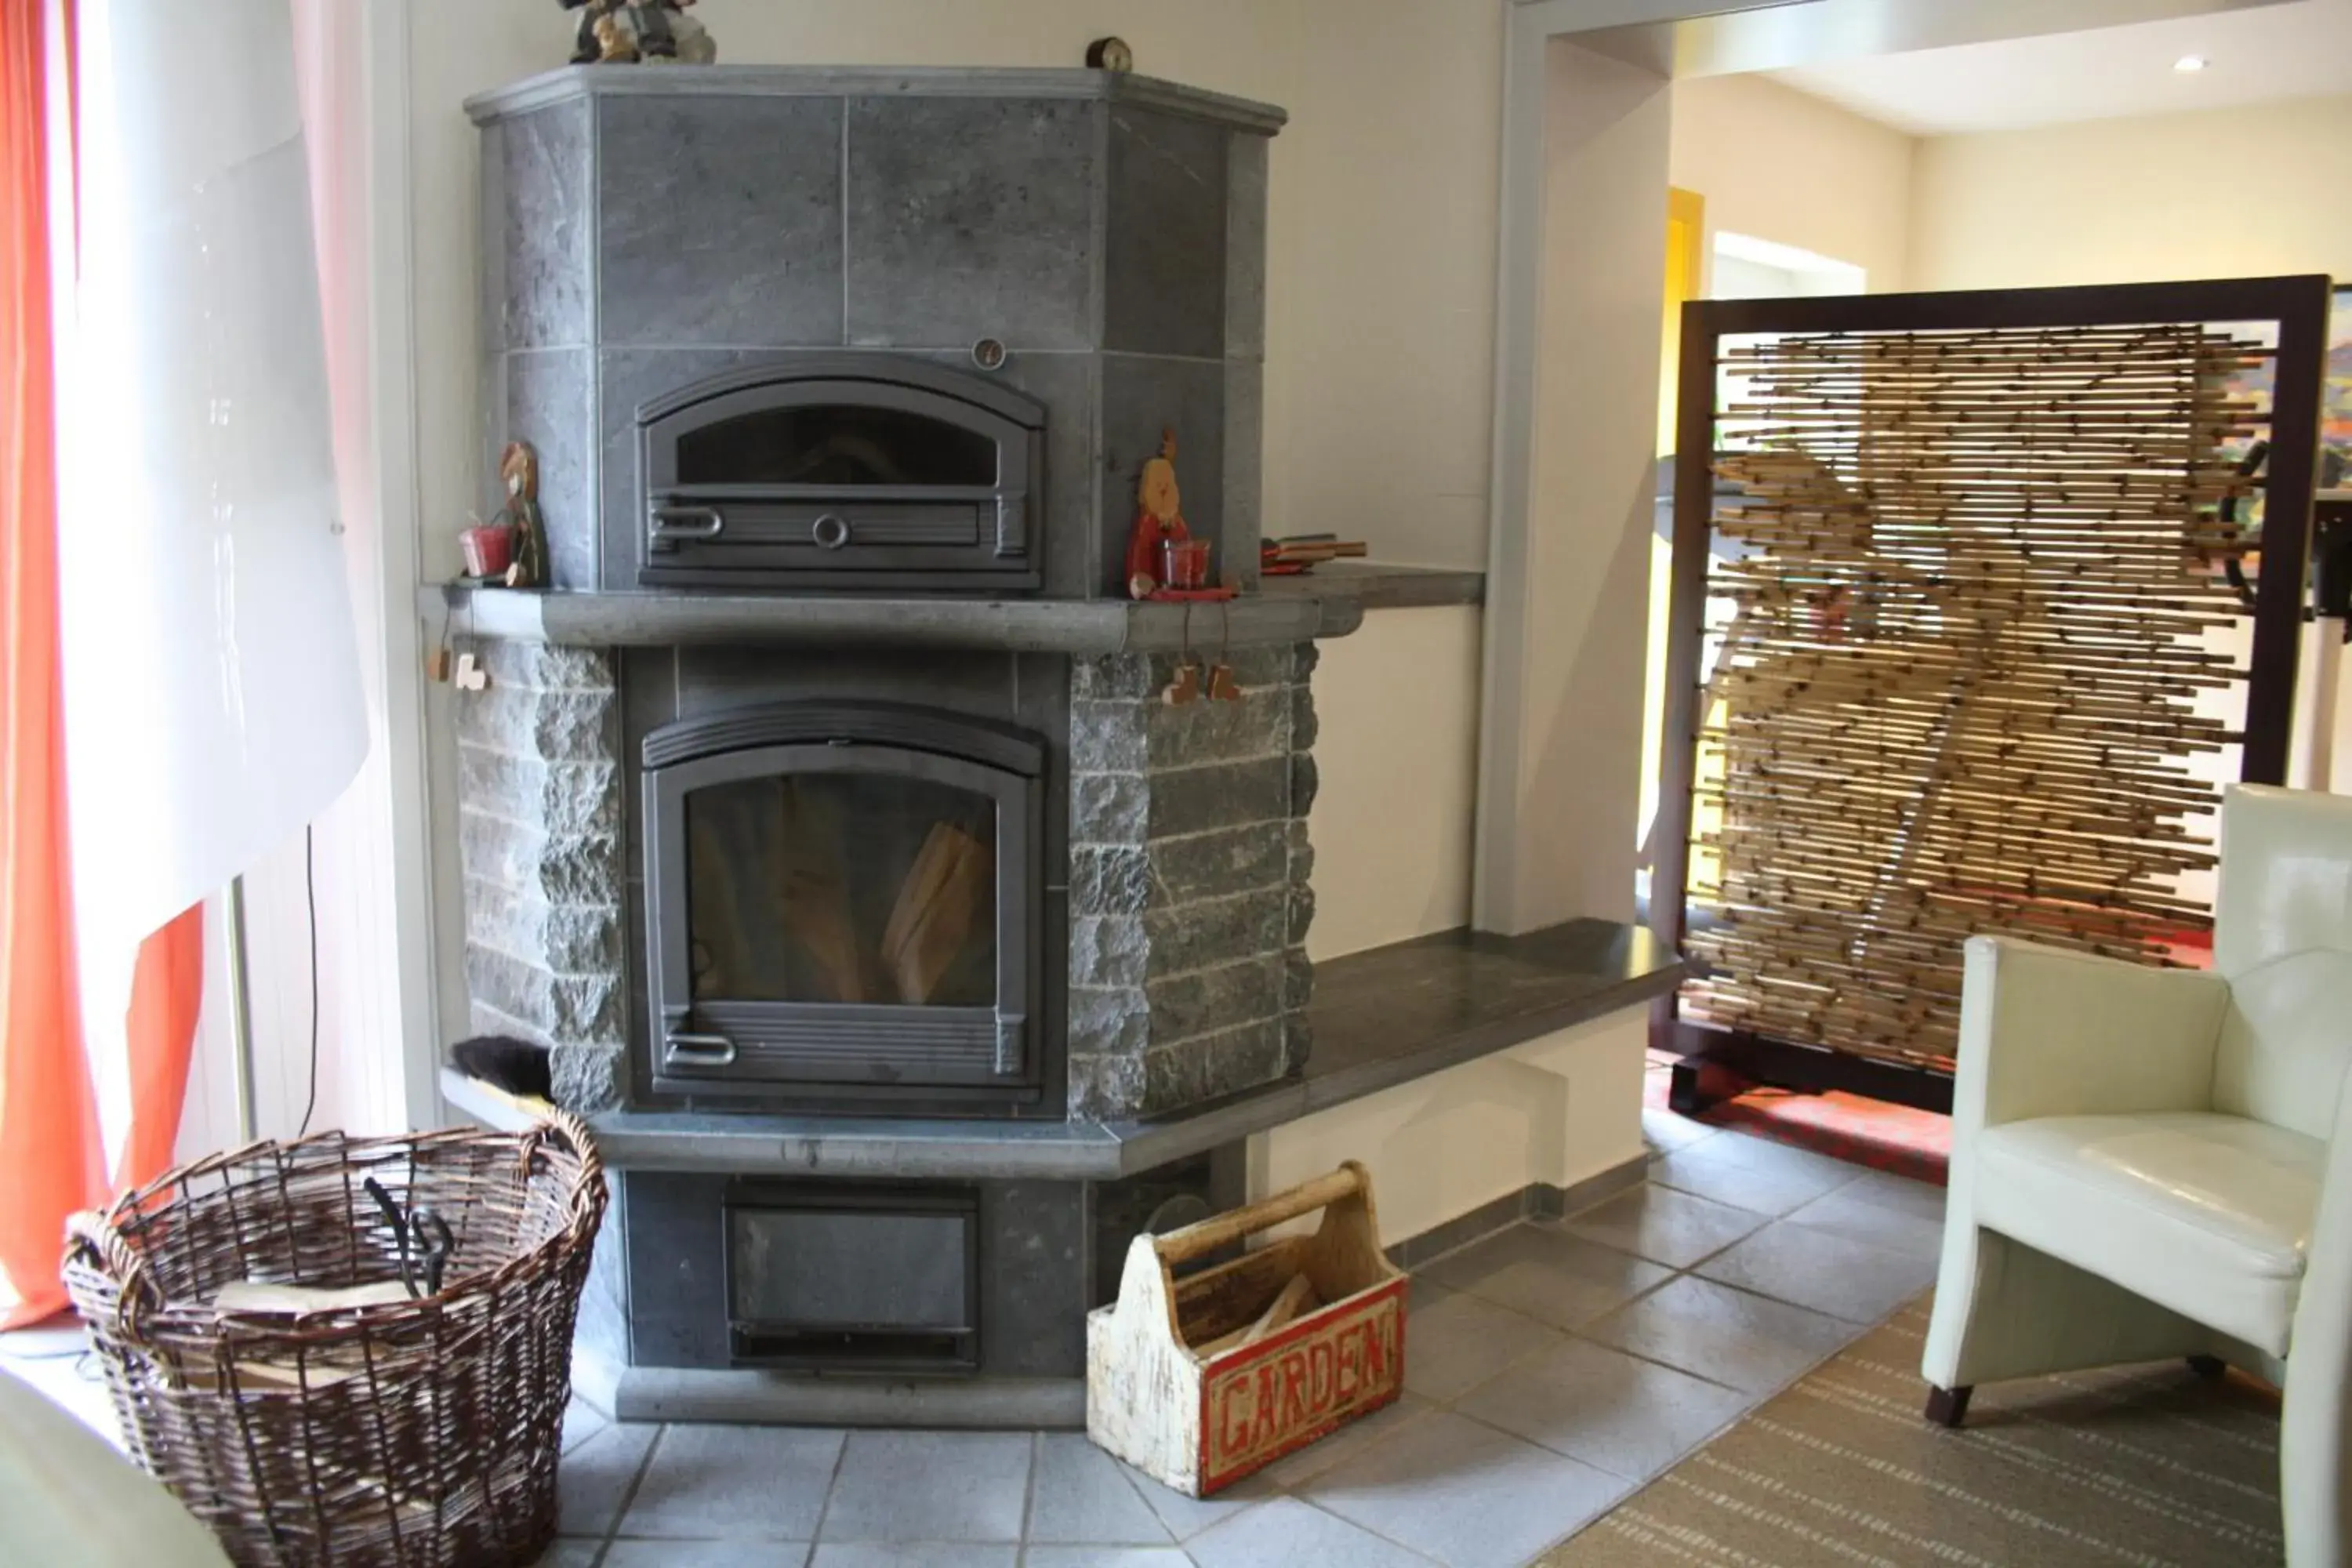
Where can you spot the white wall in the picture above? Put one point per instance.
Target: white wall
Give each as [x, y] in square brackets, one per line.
[1779, 165]
[2228, 193]
[1557, 1111]
[1397, 752]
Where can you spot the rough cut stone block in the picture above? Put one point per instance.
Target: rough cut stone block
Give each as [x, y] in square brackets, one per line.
[1109, 882]
[566, 939]
[1194, 936]
[1105, 1089]
[545, 667]
[1110, 808]
[1217, 864]
[1212, 1067]
[1302, 914]
[1109, 950]
[1108, 738]
[560, 726]
[567, 1008]
[563, 798]
[1110, 1022]
[589, 1079]
[721, 220]
[1209, 1000]
[1256, 726]
[1223, 794]
[562, 869]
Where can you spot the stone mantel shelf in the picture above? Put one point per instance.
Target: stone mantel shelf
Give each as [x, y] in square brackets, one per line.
[1382, 1017]
[1290, 610]
[861, 82]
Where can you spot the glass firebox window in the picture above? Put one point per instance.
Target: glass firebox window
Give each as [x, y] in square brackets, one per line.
[835, 443]
[842, 888]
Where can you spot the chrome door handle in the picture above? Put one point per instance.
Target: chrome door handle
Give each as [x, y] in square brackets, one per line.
[668, 525]
[699, 1050]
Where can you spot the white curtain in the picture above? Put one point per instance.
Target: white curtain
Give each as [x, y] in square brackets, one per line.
[213, 695]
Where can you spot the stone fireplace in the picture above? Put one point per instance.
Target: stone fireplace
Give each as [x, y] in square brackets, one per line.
[827, 820]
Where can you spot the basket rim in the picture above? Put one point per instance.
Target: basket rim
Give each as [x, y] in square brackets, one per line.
[98, 1242]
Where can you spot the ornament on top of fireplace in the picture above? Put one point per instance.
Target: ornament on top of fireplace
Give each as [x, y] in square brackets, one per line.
[1163, 560]
[525, 525]
[624, 32]
[1111, 54]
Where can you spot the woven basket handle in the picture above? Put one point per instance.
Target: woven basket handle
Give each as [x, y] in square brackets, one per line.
[555, 1125]
[90, 1232]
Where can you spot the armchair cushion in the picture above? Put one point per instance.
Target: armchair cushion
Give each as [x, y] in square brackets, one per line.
[2208, 1214]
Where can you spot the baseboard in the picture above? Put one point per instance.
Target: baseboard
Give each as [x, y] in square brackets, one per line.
[1538, 1200]
[746, 1395]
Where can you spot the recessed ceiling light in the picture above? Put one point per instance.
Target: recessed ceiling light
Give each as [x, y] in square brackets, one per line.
[2188, 63]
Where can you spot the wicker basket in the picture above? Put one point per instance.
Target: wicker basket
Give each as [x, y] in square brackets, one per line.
[414, 1433]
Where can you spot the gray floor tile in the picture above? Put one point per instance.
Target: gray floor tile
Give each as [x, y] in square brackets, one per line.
[912, 1554]
[1613, 1411]
[706, 1554]
[570, 1554]
[1466, 1494]
[1080, 1494]
[1106, 1557]
[1294, 1470]
[1662, 1226]
[1547, 1274]
[1853, 1214]
[1925, 1200]
[1724, 1335]
[581, 1422]
[734, 1483]
[1665, 1131]
[1750, 1173]
[929, 1486]
[1459, 1341]
[1288, 1533]
[593, 1481]
[1187, 1517]
[1845, 1278]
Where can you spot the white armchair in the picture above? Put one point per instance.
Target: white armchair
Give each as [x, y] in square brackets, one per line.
[2155, 1162]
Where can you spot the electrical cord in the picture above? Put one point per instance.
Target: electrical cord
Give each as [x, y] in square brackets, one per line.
[310, 898]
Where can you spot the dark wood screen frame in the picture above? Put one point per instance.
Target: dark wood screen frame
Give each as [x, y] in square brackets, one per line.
[1717, 1058]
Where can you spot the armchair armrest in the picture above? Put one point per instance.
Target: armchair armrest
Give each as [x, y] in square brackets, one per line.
[2049, 1032]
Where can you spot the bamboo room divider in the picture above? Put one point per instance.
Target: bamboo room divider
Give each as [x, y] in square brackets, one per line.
[1963, 661]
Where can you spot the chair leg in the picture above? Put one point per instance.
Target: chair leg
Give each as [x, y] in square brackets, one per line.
[2208, 1367]
[1949, 1407]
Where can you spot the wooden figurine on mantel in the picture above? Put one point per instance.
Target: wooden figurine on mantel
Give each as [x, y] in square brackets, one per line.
[1163, 560]
[526, 525]
[623, 32]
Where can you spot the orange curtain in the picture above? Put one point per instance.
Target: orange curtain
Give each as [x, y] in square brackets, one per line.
[166, 990]
[51, 1160]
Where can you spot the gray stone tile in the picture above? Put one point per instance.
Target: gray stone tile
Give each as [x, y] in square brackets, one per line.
[539, 279]
[1295, 1470]
[1750, 1173]
[1457, 1343]
[1549, 1275]
[1665, 1131]
[706, 1554]
[1080, 1494]
[1466, 1494]
[1142, 397]
[1724, 1335]
[1612, 1411]
[735, 1483]
[1858, 1217]
[721, 220]
[1186, 1517]
[593, 1481]
[1664, 1225]
[1833, 1274]
[1164, 267]
[547, 404]
[1246, 189]
[929, 1486]
[912, 1554]
[972, 218]
[1106, 1557]
[1288, 1533]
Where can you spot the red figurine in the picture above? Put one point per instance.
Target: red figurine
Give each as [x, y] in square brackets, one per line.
[1158, 521]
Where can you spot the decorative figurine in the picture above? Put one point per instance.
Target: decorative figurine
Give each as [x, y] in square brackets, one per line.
[519, 465]
[623, 32]
[1159, 520]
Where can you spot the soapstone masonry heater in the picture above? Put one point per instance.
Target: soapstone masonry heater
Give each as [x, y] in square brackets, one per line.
[826, 818]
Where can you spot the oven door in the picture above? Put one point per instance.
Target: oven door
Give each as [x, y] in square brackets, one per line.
[890, 476]
[845, 914]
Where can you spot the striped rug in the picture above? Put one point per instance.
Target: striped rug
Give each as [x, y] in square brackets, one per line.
[2144, 1465]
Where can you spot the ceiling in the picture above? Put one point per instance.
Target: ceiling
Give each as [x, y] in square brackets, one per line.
[2298, 50]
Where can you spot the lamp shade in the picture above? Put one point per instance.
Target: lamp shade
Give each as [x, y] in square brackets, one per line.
[212, 690]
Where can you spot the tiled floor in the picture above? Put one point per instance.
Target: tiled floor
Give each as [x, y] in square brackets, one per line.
[1551, 1370]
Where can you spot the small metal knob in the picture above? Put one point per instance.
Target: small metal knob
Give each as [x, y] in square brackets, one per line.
[830, 532]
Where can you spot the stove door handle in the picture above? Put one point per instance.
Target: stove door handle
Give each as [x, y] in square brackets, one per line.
[697, 1050]
[669, 524]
